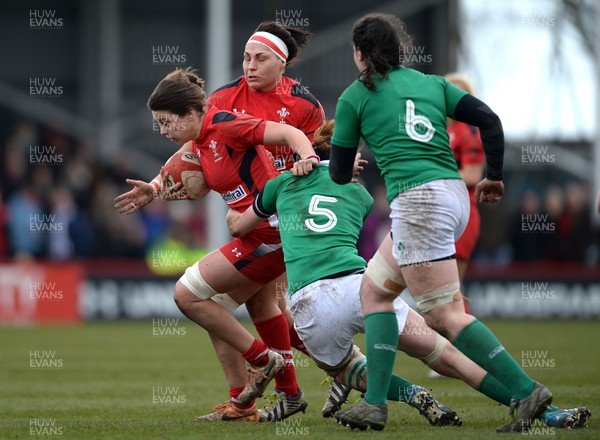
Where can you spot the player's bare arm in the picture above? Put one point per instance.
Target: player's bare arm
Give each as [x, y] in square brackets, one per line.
[240, 224]
[281, 134]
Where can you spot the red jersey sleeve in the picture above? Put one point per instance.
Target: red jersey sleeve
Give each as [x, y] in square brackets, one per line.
[313, 119]
[466, 144]
[241, 132]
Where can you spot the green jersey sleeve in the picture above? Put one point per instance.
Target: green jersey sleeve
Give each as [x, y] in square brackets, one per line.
[453, 95]
[269, 196]
[346, 132]
[265, 203]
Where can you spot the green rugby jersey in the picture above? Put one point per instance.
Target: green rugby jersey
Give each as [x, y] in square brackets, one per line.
[319, 223]
[404, 123]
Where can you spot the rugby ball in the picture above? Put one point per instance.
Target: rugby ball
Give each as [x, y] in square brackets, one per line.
[186, 168]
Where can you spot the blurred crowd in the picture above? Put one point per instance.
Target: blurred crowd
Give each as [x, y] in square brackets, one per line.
[551, 224]
[56, 202]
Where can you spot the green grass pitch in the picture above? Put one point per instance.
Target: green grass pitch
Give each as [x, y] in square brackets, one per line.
[148, 380]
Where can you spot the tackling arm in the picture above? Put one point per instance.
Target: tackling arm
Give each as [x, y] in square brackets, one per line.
[282, 134]
[342, 163]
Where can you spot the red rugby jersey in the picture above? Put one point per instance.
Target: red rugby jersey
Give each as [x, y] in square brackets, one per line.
[288, 103]
[466, 146]
[234, 162]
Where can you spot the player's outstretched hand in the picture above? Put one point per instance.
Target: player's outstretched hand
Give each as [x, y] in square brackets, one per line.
[303, 167]
[141, 195]
[489, 191]
[359, 166]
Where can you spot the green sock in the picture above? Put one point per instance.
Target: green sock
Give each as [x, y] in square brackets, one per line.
[381, 334]
[398, 390]
[480, 345]
[498, 392]
[495, 390]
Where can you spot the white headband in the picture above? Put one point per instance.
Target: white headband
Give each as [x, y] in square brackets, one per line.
[271, 41]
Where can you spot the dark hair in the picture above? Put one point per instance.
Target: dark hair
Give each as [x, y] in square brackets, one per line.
[383, 41]
[179, 91]
[322, 143]
[295, 39]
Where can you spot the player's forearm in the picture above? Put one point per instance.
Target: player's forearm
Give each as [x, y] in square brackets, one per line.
[280, 134]
[341, 164]
[475, 112]
[299, 143]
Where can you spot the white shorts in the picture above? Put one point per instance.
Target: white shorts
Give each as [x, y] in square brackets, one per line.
[428, 219]
[327, 314]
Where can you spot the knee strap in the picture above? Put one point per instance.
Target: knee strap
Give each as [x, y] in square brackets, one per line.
[384, 276]
[440, 296]
[440, 346]
[192, 279]
[226, 301]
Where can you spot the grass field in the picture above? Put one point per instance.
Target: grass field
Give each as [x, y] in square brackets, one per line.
[149, 380]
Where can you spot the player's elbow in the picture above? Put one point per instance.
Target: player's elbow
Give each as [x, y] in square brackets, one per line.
[234, 230]
[341, 164]
[339, 178]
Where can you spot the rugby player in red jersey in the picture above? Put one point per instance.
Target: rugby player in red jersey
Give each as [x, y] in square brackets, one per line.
[265, 92]
[236, 165]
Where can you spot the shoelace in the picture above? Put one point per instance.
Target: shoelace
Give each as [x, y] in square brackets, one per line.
[255, 374]
[272, 400]
[327, 381]
[221, 406]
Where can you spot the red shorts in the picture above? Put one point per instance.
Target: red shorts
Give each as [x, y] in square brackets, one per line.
[467, 241]
[258, 255]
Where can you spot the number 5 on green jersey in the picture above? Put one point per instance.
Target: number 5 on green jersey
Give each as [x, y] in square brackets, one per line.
[315, 209]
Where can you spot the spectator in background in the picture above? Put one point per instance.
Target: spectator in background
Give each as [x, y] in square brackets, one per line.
[25, 214]
[3, 228]
[121, 236]
[554, 206]
[78, 172]
[574, 228]
[528, 239]
[75, 238]
[15, 156]
[156, 221]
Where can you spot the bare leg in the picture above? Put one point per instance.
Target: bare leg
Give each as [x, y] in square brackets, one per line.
[418, 340]
[448, 319]
[232, 363]
[214, 318]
